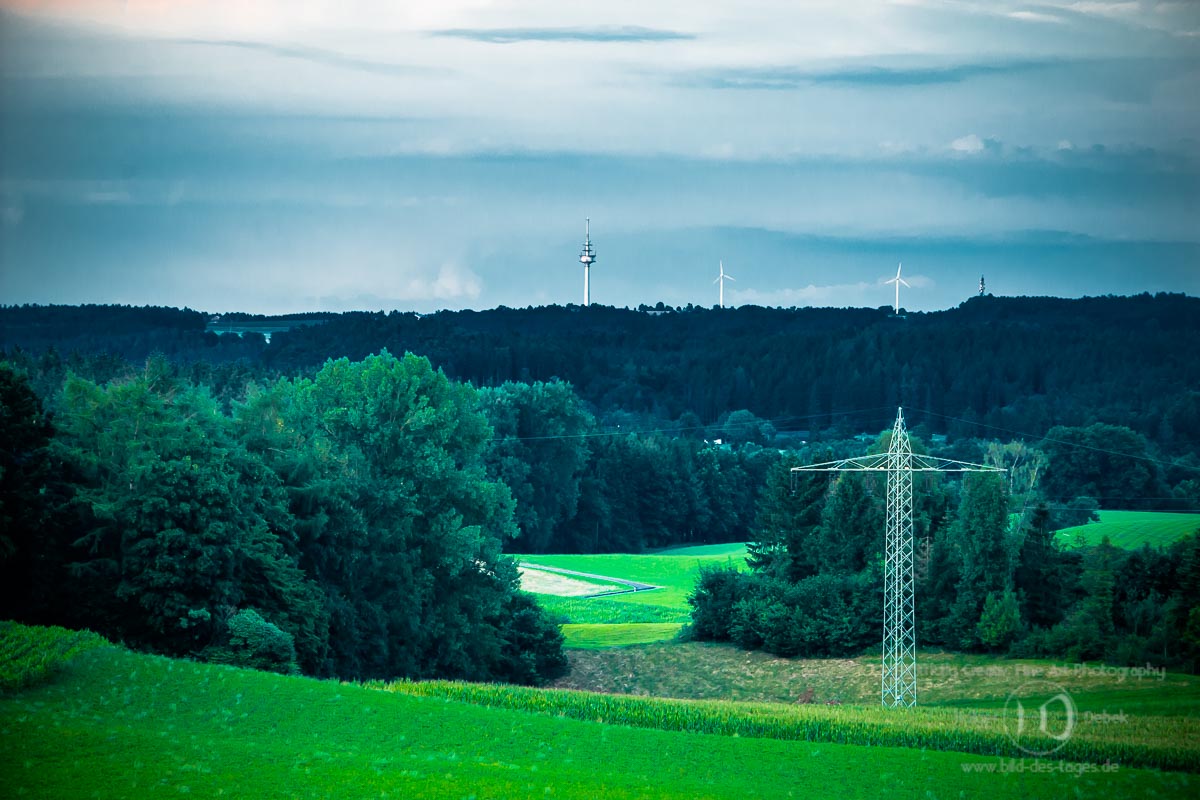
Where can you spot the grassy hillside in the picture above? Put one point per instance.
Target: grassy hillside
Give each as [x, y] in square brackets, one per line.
[705, 670]
[619, 634]
[117, 724]
[1132, 529]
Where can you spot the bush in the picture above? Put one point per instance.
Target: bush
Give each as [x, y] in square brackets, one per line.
[718, 590]
[1000, 621]
[253, 642]
[532, 643]
[823, 615]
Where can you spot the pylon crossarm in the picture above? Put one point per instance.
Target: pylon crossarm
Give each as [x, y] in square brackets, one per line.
[879, 463]
[932, 464]
[866, 464]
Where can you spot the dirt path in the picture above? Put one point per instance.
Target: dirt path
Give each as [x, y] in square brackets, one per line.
[633, 586]
[541, 582]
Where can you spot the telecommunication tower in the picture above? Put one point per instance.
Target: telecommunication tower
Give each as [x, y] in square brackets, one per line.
[587, 258]
[982, 290]
[899, 684]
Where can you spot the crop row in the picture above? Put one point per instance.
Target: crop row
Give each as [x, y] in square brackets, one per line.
[1160, 742]
[29, 654]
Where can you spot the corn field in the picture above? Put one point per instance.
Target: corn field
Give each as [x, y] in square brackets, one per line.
[28, 655]
[1143, 741]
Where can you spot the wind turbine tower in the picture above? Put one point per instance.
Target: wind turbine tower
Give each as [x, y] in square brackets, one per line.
[898, 280]
[721, 278]
[587, 258]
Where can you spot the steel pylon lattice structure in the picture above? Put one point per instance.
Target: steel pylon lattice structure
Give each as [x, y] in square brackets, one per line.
[899, 669]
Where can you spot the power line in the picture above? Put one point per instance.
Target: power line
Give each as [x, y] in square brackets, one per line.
[676, 429]
[1031, 436]
[792, 419]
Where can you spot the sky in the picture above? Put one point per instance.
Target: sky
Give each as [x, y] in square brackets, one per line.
[279, 156]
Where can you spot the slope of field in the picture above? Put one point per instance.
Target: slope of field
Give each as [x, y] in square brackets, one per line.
[607, 610]
[1132, 529]
[618, 634]
[704, 670]
[118, 724]
[734, 550]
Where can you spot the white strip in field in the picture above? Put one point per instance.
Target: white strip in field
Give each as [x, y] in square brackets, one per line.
[541, 581]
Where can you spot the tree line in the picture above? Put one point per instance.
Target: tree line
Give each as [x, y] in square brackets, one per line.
[994, 366]
[991, 576]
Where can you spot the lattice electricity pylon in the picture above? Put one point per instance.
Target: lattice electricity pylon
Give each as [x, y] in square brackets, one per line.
[899, 685]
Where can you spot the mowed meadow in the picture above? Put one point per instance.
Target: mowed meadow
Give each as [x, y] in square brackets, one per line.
[1132, 529]
[615, 614]
[106, 722]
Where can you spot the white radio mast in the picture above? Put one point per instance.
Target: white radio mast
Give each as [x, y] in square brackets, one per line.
[587, 258]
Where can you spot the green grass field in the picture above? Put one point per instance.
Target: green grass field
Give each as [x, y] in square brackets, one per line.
[618, 635]
[734, 550]
[674, 570]
[1132, 529]
[111, 723]
[634, 617]
[610, 610]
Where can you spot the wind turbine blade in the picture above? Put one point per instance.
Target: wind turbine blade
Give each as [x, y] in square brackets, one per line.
[898, 268]
[731, 278]
[718, 280]
[906, 283]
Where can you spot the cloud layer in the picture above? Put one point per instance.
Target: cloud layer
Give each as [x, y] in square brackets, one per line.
[260, 155]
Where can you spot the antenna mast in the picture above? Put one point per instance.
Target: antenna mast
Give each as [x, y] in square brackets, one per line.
[899, 685]
[982, 290]
[587, 258]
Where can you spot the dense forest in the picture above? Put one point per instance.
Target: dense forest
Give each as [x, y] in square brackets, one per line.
[315, 503]
[1010, 363]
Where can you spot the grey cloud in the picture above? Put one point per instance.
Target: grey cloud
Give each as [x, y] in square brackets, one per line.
[1096, 173]
[865, 75]
[1130, 79]
[624, 33]
[316, 55]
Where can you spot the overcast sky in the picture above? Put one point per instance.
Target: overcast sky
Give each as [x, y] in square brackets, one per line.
[300, 155]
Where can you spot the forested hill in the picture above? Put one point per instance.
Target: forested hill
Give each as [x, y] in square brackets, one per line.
[1019, 364]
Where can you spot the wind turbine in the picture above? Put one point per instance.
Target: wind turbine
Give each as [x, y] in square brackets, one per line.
[721, 278]
[898, 280]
